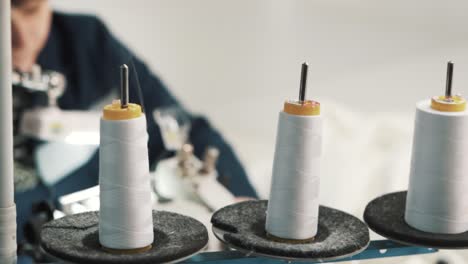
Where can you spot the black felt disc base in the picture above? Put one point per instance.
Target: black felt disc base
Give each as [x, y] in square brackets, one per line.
[385, 215]
[242, 226]
[75, 239]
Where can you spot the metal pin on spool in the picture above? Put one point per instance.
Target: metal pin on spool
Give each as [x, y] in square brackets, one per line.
[124, 86]
[302, 106]
[303, 85]
[449, 102]
[448, 85]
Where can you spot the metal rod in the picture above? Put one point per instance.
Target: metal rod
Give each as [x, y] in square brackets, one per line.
[7, 203]
[448, 86]
[303, 85]
[6, 108]
[124, 86]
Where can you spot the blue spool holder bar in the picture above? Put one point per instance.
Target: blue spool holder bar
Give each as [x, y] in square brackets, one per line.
[376, 249]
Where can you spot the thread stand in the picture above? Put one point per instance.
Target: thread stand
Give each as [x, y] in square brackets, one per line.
[432, 213]
[125, 216]
[242, 226]
[75, 239]
[293, 207]
[385, 216]
[437, 179]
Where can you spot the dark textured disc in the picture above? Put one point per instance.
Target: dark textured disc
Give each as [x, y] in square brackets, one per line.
[385, 215]
[75, 239]
[242, 226]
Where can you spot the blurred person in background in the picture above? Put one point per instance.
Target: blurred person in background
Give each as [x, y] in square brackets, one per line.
[83, 49]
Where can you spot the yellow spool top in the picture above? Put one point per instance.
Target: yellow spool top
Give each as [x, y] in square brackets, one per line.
[306, 108]
[448, 104]
[114, 111]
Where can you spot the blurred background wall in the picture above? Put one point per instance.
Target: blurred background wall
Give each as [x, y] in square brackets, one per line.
[237, 61]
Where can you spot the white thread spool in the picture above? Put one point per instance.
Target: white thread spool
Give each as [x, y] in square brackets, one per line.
[125, 219]
[293, 204]
[437, 198]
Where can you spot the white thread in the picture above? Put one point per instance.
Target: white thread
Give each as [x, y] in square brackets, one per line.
[125, 217]
[293, 205]
[437, 198]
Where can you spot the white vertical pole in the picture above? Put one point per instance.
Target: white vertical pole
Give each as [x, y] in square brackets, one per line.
[7, 203]
[6, 108]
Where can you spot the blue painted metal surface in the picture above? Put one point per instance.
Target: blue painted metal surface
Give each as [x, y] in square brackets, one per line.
[376, 249]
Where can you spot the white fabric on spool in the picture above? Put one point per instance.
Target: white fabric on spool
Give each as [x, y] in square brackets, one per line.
[437, 198]
[293, 204]
[125, 218]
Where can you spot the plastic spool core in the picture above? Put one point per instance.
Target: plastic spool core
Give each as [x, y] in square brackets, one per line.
[448, 104]
[114, 111]
[305, 108]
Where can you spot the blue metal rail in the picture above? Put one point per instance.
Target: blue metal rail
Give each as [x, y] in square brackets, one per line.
[376, 249]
